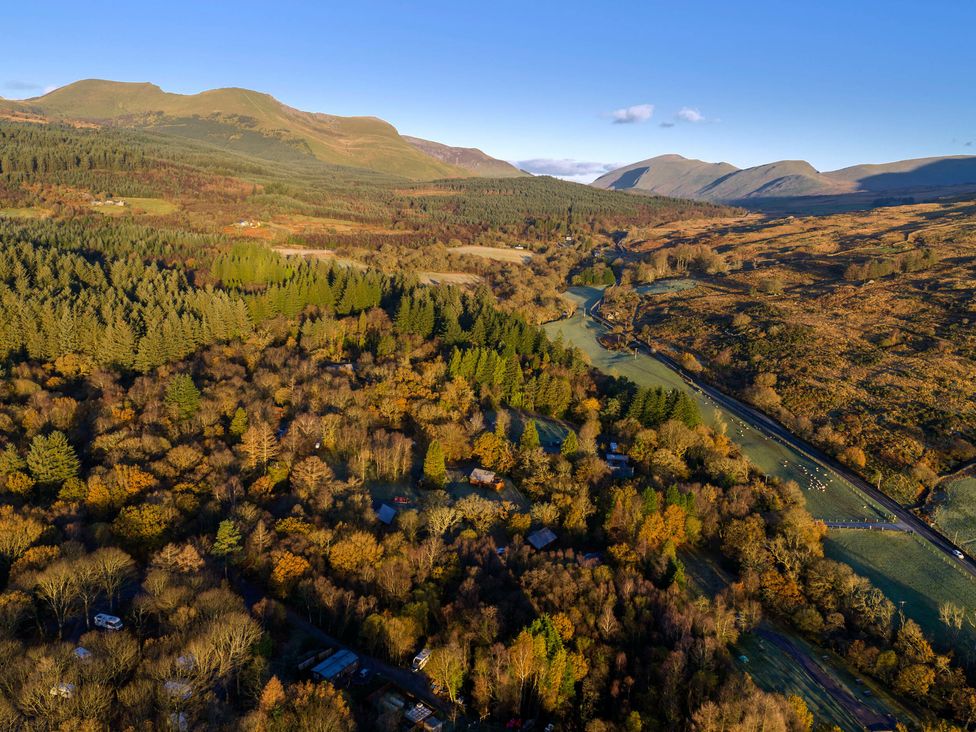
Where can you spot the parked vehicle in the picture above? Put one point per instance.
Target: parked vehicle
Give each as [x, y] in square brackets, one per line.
[108, 622]
[420, 660]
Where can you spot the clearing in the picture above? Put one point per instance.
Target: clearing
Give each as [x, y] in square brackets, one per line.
[448, 278]
[909, 571]
[151, 206]
[954, 510]
[26, 212]
[499, 254]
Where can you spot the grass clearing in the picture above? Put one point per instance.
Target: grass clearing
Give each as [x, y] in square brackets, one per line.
[448, 278]
[499, 254]
[149, 206]
[910, 571]
[955, 509]
[26, 212]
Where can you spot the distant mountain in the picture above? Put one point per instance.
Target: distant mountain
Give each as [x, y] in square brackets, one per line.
[469, 158]
[248, 121]
[795, 183]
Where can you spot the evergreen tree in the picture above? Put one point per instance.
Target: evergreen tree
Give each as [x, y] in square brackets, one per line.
[182, 396]
[530, 436]
[435, 468]
[227, 542]
[238, 424]
[52, 459]
[570, 444]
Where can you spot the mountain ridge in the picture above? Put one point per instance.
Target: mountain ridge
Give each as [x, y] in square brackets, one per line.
[779, 182]
[362, 141]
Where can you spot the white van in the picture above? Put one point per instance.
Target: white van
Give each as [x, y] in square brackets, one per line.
[420, 660]
[107, 622]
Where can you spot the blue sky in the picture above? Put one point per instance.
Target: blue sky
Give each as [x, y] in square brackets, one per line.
[573, 86]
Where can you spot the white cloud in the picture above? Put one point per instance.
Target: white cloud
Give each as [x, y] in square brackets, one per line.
[633, 114]
[688, 114]
[579, 171]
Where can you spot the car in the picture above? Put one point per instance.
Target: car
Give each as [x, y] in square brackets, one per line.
[401, 499]
[363, 676]
[107, 622]
[959, 554]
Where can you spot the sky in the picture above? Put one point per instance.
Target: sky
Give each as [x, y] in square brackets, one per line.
[569, 88]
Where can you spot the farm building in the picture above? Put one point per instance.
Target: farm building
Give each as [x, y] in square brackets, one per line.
[542, 538]
[337, 665]
[486, 478]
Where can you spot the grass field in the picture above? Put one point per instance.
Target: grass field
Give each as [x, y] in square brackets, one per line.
[27, 212]
[448, 278]
[150, 206]
[955, 511]
[909, 571]
[499, 254]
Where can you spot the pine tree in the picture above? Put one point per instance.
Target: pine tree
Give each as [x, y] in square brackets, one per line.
[570, 444]
[52, 459]
[530, 437]
[182, 396]
[227, 542]
[435, 468]
[238, 424]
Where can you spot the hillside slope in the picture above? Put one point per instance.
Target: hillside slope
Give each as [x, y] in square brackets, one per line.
[363, 142]
[666, 175]
[470, 158]
[795, 183]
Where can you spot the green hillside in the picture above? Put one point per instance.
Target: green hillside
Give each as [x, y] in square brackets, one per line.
[363, 142]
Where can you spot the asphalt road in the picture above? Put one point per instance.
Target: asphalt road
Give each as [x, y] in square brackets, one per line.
[772, 428]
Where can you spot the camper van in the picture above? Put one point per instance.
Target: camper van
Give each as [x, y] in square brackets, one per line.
[421, 659]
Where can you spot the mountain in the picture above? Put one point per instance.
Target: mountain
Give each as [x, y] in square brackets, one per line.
[240, 118]
[795, 184]
[470, 158]
[667, 175]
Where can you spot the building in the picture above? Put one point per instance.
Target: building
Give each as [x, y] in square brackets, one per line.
[486, 479]
[386, 513]
[542, 538]
[417, 714]
[339, 664]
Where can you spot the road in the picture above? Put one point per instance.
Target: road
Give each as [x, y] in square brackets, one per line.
[768, 426]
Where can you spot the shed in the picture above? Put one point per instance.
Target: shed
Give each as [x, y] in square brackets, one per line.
[339, 663]
[542, 538]
[386, 513]
[482, 477]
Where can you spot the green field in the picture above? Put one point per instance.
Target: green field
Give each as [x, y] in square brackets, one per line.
[955, 514]
[907, 569]
[27, 212]
[151, 206]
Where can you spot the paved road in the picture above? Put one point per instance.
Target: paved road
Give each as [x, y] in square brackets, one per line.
[772, 428]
